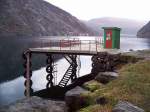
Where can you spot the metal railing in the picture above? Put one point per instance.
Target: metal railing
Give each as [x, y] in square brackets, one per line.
[70, 44]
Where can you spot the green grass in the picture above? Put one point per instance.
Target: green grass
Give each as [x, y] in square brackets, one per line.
[133, 85]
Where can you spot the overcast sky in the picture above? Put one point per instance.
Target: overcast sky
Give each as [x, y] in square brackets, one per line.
[89, 9]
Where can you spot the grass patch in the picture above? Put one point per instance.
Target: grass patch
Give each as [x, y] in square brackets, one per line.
[139, 53]
[133, 85]
[92, 85]
[126, 59]
[97, 108]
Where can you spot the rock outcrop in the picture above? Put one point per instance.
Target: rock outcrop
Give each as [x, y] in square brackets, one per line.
[144, 32]
[74, 99]
[123, 106]
[105, 77]
[35, 104]
[37, 18]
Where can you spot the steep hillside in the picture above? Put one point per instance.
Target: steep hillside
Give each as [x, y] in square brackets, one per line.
[37, 18]
[128, 26]
[144, 32]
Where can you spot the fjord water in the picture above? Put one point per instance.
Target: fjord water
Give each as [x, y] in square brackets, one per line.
[13, 89]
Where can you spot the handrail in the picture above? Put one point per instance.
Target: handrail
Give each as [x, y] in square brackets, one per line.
[72, 44]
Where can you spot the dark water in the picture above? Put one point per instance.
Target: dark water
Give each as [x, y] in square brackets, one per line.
[11, 65]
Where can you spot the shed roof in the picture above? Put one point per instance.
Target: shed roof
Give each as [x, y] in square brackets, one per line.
[108, 28]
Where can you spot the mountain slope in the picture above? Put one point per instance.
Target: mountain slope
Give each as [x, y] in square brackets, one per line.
[128, 26]
[36, 18]
[144, 32]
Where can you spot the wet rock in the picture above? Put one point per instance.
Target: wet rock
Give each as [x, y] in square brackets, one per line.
[105, 77]
[74, 99]
[35, 104]
[123, 106]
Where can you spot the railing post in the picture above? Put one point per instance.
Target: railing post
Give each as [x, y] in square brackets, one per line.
[96, 46]
[80, 45]
[41, 43]
[60, 44]
[70, 44]
[50, 43]
[89, 45]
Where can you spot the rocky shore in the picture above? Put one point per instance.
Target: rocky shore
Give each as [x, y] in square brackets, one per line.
[35, 104]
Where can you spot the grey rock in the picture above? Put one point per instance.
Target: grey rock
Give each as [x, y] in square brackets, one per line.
[105, 77]
[35, 104]
[123, 106]
[77, 91]
[74, 99]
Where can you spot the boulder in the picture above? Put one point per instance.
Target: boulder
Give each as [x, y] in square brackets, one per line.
[123, 106]
[105, 77]
[75, 99]
[35, 104]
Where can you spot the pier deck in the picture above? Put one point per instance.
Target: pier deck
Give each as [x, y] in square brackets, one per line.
[77, 47]
[70, 49]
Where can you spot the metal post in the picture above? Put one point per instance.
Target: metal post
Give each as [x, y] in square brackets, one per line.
[50, 43]
[96, 46]
[60, 45]
[80, 45]
[89, 45]
[70, 44]
[42, 43]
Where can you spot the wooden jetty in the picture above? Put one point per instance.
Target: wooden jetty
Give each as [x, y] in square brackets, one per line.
[70, 49]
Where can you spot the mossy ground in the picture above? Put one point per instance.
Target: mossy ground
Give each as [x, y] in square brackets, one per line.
[132, 85]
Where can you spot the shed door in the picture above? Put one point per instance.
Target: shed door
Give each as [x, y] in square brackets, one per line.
[109, 39]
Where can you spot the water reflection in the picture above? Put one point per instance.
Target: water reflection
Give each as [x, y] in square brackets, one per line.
[13, 90]
[134, 44]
